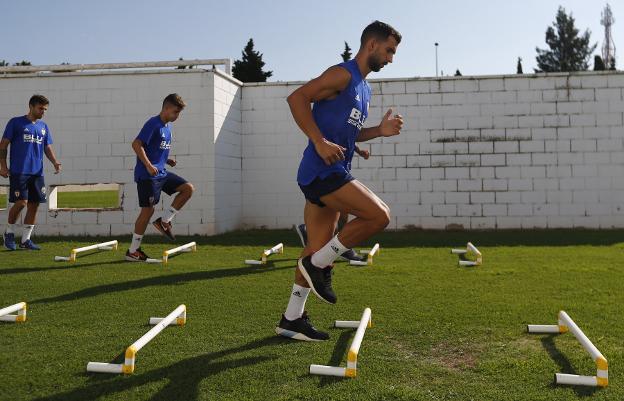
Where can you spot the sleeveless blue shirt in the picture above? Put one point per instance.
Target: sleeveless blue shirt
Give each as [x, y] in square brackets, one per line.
[340, 121]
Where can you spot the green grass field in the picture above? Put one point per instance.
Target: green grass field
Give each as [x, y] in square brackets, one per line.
[440, 332]
[88, 199]
[3, 201]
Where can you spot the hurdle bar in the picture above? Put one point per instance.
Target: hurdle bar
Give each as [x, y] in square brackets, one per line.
[6, 314]
[351, 369]
[279, 248]
[369, 260]
[470, 250]
[177, 317]
[190, 247]
[104, 246]
[565, 324]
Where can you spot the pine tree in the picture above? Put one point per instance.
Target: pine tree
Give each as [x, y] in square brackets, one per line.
[3, 63]
[568, 51]
[599, 64]
[346, 55]
[458, 73]
[612, 66]
[23, 62]
[249, 69]
[519, 66]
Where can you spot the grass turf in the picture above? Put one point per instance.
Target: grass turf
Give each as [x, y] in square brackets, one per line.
[88, 199]
[440, 332]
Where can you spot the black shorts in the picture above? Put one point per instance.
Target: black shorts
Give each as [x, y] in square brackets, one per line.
[27, 187]
[150, 189]
[323, 186]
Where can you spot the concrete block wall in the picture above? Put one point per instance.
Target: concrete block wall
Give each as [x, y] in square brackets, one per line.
[529, 151]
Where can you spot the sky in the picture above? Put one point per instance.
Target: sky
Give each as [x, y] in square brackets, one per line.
[298, 39]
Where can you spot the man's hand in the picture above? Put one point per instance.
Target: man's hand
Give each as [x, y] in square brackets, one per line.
[363, 153]
[391, 126]
[329, 151]
[153, 171]
[4, 172]
[171, 162]
[57, 167]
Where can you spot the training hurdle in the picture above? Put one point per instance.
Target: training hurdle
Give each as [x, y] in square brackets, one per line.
[564, 325]
[279, 248]
[177, 317]
[104, 246]
[470, 250]
[190, 247]
[369, 260]
[6, 314]
[351, 369]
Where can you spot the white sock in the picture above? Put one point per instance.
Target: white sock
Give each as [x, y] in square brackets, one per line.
[296, 305]
[136, 242]
[10, 228]
[169, 214]
[27, 230]
[327, 254]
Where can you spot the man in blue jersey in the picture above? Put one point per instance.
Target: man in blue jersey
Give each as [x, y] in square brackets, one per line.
[29, 138]
[340, 97]
[152, 147]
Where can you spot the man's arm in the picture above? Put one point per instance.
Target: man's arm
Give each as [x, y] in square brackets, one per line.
[49, 152]
[389, 126]
[326, 86]
[137, 146]
[4, 145]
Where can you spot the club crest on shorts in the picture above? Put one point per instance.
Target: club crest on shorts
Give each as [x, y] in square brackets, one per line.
[17, 194]
[151, 200]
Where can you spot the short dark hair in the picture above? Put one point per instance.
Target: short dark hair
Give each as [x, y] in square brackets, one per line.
[38, 99]
[175, 100]
[379, 30]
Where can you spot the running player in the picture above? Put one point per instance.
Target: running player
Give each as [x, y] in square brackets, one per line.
[340, 97]
[29, 138]
[152, 147]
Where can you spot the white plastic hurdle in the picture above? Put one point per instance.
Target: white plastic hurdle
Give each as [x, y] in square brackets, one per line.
[279, 248]
[190, 247]
[177, 317]
[351, 369]
[369, 260]
[104, 246]
[470, 250]
[6, 314]
[564, 325]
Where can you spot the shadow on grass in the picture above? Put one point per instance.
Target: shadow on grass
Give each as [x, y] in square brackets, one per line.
[548, 343]
[171, 279]
[57, 266]
[182, 378]
[337, 357]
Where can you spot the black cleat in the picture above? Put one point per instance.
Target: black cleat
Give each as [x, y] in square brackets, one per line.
[319, 280]
[303, 234]
[300, 329]
[136, 256]
[164, 228]
[350, 254]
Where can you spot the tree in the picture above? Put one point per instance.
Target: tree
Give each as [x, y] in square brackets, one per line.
[519, 66]
[346, 55]
[183, 67]
[599, 64]
[3, 63]
[568, 51]
[23, 62]
[612, 66]
[249, 69]
[458, 73]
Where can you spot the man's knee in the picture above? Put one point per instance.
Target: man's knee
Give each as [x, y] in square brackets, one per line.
[381, 218]
[188, 189]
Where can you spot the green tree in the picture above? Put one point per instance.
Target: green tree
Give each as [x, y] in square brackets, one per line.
[3, 63]
[599, 64]
[519, 66]
[249, 69]
[346, 55]
[567, 50]
[23, 62]
[612, 66]
[458, 73]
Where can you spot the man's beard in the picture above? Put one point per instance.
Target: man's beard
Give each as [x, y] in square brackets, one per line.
[374, 64]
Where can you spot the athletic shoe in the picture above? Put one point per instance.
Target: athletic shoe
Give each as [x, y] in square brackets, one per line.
[164, 228]
[136, 256]
[303, 234]
[350, 254]
[28, 244]
[319, 280]
[300, 329]
[9, 241]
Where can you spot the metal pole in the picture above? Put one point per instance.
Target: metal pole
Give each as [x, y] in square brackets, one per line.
[436, 51]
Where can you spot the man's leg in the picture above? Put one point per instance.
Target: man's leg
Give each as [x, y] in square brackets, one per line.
[13, 215]
[184, 190]
[29, 225]
[349, 254]
[134, 253]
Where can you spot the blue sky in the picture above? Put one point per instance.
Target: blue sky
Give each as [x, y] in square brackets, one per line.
[299, 39]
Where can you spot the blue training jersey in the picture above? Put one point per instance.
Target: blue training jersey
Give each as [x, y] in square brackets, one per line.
[28, 142]
[156, 138]
[340, 121]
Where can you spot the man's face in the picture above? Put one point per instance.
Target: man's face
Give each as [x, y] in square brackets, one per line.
[38, 110]
[382, 53]
[171, 112]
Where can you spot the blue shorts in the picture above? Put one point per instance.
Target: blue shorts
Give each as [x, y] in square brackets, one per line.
[27, 187]
[149, 190]
[324, 186]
